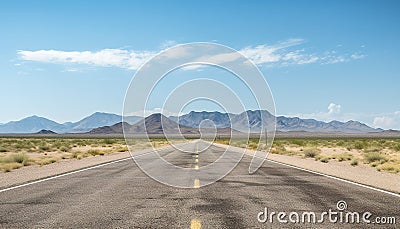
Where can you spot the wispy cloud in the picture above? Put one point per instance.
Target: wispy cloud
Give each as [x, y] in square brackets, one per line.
[334, 108]
[285, 53]
[104, 58]
[384, 122]
[290, 52]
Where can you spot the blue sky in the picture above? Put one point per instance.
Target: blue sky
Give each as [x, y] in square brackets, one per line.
[324, 60]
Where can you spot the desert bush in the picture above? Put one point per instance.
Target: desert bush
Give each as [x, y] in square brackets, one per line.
[44, 147]
[297, 142]
[311, 152]
[64, 149]
[354, 162]
[109, 141]
[122, 149]
[46, 161]
[95, 152]
[7, 167]
[344, 156]
[340, 143]
[360, 145]
[324, 159]
[20, 158]
[371, 157]
[390, 167]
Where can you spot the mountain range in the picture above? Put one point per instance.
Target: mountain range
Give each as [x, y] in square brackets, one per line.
[253, 121]
[35, 124]
[249, 121]
[158, 124]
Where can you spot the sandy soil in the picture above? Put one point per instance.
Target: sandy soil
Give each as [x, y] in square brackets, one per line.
[35, 172]
[362, 174]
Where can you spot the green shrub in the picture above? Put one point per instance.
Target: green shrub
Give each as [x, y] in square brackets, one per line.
[390, 167]
[20, 158]
[344, 156]
[95, 152]
[64, 149]
[44, 147]
[371, 157]
[297, 142]
[324, 159]
[311, 152]
[360, 145]
[47, 161]
[109, 141]
[10, 166]
[354, 162]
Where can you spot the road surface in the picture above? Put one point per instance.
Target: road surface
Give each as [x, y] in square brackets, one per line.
[120, 195]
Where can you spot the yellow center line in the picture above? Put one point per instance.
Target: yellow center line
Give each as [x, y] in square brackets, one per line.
[196, 183]
[195, 224]
[197, 156]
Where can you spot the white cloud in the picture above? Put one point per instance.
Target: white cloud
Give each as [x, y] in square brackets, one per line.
[72, 70]
[387, 120]
[333, 113]
[357, 56]
[384, 122]
[284, 53]
[334, 108]
[105, 58]
[278, 53]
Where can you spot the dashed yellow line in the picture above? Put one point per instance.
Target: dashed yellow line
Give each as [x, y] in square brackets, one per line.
[196, 183]
[197, 157]
[195, 224]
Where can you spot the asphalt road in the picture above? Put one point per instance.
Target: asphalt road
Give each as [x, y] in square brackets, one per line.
[120, 195]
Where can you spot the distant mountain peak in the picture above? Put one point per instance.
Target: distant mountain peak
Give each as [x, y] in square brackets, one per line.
[46, 132]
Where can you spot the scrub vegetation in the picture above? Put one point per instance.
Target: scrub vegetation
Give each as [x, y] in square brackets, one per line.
[383, 154]
[16, 152]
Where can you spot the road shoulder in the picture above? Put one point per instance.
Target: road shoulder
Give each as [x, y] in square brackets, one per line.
[361, 174]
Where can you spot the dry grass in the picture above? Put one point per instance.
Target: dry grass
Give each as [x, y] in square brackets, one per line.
[17, 152]
[383, 154]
